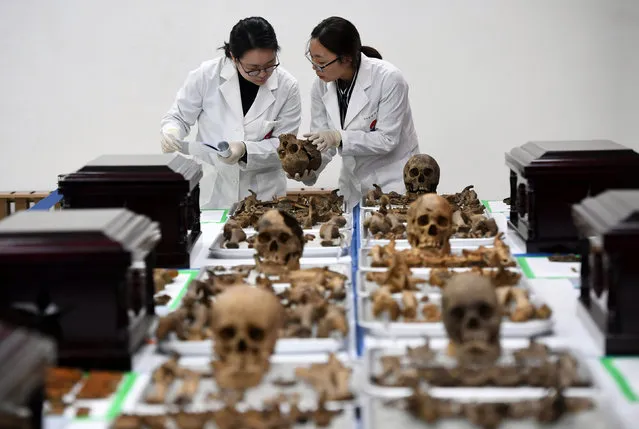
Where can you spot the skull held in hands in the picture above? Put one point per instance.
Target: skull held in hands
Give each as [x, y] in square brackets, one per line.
[421, 174]
[280, 239]
[472, 318]
[297, 155]
[430, 223]
[246, 321]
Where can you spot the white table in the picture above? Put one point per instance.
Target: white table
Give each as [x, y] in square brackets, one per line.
[560, 294]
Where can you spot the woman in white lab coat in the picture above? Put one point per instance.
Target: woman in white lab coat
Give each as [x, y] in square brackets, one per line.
[243, 98]
[360, 108]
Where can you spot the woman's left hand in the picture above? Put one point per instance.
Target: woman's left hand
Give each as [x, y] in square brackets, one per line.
[324, 140]
[238, 149]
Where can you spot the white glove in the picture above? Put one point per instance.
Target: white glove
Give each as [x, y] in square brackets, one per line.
[324, 140]
[171, 140]
[308, 178]
[238, 149]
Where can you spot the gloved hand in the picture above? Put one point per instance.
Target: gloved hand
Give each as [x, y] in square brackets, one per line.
[309, 177]
[238, 149]
[170, 141]
[324, 140]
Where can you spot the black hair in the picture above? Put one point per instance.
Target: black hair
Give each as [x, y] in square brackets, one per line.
[250, 33]
[340, 36]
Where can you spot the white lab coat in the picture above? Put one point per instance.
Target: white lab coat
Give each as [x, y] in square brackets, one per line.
[378, 136]
[211, 96]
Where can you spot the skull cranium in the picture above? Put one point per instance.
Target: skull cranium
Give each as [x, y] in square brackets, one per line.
[430, 224]
[421, 174]
[472, 317]
[280, 239]
[246, 321]
[297, 155]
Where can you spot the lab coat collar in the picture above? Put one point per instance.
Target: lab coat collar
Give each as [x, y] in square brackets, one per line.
[359, 99]
[331, 104]
[230, 88]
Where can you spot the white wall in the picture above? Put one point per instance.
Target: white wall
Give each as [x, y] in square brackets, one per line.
[82, 78]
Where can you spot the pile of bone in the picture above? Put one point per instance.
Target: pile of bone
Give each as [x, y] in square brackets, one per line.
[514, 301]
[311, 307]
[234, 235]
[488, 414]
[330, 382]
[308, 210]
[495, 257]
[399, 276]
[467, 216]
[535, 366]
[311, 302]
[161, 278]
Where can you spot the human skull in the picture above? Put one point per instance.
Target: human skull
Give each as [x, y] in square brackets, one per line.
[297, 155]
[472, 318]
[421, 174]
[246, 321]
[280, 239]
[429, 223]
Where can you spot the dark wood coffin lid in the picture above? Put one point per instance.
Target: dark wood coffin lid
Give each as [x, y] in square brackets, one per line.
[570, 156]
[151, 168]
[78, 231]
[24, 356]
[612, 215]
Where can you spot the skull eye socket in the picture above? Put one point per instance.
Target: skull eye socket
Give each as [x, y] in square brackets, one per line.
[284, 237]
[442, 221]
[227, 332]
[255, 333]
[457, 313]
[485, 310]
[422, 220]
[292, 148]
[428, 171]
[264, 237]
[414, 172]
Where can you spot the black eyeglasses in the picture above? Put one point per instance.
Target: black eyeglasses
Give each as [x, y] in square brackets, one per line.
[317, 66]
[254, 73]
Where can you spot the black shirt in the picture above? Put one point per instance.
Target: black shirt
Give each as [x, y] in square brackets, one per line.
[344, 92]
[248, 92]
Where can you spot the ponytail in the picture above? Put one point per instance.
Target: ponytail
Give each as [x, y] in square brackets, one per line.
[371, 52]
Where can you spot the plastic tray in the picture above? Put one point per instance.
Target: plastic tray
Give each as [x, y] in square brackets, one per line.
[312, 248]
[464, 243]
[366, 287]
[284, 345]
[386, 328]
[378, 413]
[365, 260]
[281, 368]
[372, 367]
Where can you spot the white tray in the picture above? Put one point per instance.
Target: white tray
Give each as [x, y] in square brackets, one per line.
[372, 367]
[365, 260]
[311, 248]
[366, 287]
[284, 345]
[280, 368]
[377, 413]
[386, 328]
[464, 243]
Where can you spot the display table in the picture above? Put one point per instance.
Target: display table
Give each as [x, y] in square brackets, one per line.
[554, 282]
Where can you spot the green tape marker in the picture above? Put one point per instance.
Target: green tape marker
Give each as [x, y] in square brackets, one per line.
[623, 385]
